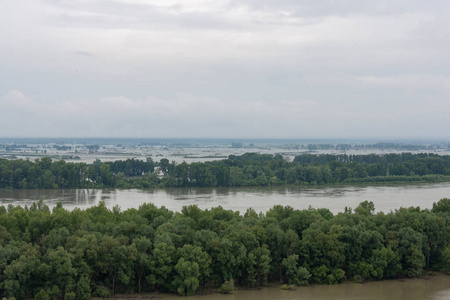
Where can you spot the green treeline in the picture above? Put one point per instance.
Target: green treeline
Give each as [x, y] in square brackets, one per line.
[250, 169]
[99, 252]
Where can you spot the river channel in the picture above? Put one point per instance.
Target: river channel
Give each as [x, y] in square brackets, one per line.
[385, 198]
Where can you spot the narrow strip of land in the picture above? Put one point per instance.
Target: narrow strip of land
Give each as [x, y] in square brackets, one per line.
[250, 169]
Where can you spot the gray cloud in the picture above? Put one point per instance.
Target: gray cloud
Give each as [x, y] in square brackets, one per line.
[254, 68]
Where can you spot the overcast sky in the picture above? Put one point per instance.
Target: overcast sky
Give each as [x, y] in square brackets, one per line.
[231, 69]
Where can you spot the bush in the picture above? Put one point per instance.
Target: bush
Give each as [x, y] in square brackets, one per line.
[287, 287]
[227, 287]
[303, 276]
[69, 296]
[41, 295]
[101, 291]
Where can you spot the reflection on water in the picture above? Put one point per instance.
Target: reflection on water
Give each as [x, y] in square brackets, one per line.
[386, 198]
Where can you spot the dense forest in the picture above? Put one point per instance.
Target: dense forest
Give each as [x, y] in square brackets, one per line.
[250, 169]
[79, 254]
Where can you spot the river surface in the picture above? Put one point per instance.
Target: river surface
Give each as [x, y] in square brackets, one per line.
[385, 198]
[435, 288]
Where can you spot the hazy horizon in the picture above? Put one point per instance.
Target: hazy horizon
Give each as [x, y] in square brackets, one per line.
[222, 141]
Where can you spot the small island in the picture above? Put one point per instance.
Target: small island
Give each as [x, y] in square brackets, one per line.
[249, 169]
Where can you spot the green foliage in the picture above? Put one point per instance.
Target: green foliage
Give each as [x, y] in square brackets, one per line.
[410, 251]
[303, 276]
[294, 274]
[442, 205]
[227, 287]
[162, 264]
[41, 295]
[249, 169]
[287, 287]
[446, 259]
[365, 208]
[186, 278]
[102, 291]
[99, 252]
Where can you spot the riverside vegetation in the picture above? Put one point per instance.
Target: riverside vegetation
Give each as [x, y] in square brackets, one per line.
[99, 252]
[250, 169]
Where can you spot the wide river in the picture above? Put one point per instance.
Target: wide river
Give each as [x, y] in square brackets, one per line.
[385, 198]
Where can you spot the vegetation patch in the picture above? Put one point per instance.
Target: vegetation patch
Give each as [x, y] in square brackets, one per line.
[98, 252]
[250, 169]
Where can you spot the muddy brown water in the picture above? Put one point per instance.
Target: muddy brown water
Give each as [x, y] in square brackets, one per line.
[385, 198]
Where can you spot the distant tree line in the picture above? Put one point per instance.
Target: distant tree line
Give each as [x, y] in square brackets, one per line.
[62, 147]
[250, 169]
[12, 147]
[78, 254]
[380, 146]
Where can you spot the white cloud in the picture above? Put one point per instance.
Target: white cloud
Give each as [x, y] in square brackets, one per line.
[17, 99]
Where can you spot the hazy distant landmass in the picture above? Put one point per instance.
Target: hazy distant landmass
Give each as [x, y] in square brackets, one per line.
[221, 141]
